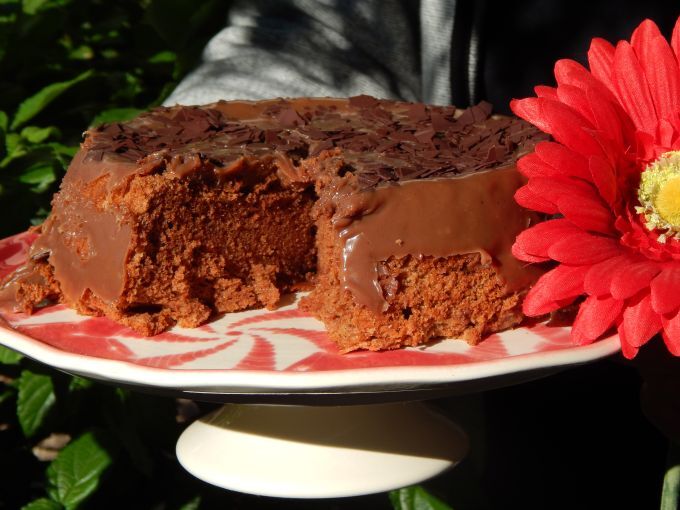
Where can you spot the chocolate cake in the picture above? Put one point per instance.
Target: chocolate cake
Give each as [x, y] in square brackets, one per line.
[398, 216]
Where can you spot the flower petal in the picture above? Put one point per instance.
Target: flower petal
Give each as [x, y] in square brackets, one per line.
[529, 110]
[640, 323]
[598, 279]
[604, 176]
[589, 213]
[642, 36]
[660, 67]
[576, 99]
[566, 161]
[671, 333]
[675, 39]
[595, 316]
[525, 197]
[555, 289]
[665, 290]
[535, 241]
[576, 200]
[611, 120]
[629, 351]
[601, 61]
[662, 73]
[545, 91]
[583, 248]
[569, 127]
[602, 99]
[666, 134]
[632, 88]
[533, 166]
[632, 278]
[554, 188]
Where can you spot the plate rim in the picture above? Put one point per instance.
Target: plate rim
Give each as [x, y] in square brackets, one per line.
[257, 381]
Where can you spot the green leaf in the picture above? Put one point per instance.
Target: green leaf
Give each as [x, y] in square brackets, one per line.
[163, 57]
[41, 175]
[32, 7]
[416, 498]
[42, 504]
[194, 504]
[63, 153]
[14, 147]
[116, 115]
[9, 357]
[4, 121]
[670, 492]
[36, 134]
[36, 398]
[76, 472]
[79, 383]
[37, 102]
[82, 52]
[6, 395]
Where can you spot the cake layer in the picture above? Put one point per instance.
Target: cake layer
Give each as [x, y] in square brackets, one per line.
[186, 212]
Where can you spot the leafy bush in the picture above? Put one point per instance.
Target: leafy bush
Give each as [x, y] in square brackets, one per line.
[68, 64]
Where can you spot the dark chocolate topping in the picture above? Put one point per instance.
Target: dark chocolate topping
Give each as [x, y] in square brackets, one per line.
[382, 140]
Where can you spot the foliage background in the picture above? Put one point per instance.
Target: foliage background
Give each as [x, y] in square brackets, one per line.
[69, 64]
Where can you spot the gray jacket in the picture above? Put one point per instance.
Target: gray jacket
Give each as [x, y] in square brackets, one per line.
[398, 49]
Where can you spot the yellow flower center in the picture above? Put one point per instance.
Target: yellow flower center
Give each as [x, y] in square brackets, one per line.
[659, 196]
[668, 201]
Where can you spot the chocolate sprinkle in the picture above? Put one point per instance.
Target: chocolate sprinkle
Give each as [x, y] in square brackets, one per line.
[382, 140]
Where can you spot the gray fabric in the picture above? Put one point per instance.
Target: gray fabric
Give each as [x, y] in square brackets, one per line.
[397, 49]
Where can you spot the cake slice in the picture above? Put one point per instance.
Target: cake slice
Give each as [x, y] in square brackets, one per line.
[401, 215]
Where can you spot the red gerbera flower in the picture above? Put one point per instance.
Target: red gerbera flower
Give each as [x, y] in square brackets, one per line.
[611, 179]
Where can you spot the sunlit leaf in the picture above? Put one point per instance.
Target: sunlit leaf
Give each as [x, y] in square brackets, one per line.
[163, 57]
[42, 504]
[36, 134]
[416, 498]
[9, 357]
[116, 115]
[37, 102]
[40, 176]
[35, 400]
[76, 472]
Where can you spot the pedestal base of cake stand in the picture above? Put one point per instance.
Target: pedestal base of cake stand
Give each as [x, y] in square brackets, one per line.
[320, 452]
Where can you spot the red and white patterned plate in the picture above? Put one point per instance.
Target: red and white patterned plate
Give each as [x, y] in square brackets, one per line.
[259, 351]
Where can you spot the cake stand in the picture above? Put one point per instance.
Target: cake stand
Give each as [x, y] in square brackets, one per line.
[300, 420]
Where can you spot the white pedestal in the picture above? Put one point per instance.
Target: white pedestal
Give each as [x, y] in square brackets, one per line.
[320, 452]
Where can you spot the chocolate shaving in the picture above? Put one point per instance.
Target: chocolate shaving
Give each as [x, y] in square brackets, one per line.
[384, 140]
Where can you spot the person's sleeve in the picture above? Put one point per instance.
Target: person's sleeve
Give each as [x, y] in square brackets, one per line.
[277, 48]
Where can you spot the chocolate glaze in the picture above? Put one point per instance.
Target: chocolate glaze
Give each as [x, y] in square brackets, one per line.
[474, 213]
[87, 242]
[413, 153]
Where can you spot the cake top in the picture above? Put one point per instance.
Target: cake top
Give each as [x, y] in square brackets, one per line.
[380, 140]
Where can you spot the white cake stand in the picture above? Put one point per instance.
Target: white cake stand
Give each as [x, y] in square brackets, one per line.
[300, 420]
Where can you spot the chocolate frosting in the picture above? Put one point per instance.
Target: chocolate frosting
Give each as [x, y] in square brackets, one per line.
[398, 155]
[474, 213]
[87, 242]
